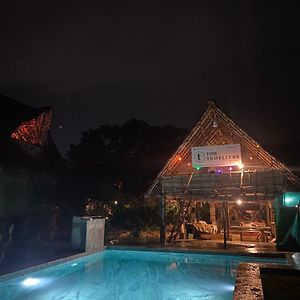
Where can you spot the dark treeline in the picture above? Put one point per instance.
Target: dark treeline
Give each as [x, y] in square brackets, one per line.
[112, 166]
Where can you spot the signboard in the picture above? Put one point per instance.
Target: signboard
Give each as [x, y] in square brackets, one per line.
[217, 156]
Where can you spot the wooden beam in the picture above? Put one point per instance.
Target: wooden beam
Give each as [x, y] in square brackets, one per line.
[162, 238]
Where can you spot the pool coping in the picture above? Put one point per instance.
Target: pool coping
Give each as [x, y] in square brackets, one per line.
[45, 265]
[201, 251]
[248, 283]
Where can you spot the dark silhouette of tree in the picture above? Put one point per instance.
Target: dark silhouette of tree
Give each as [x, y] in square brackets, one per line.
[113, 165]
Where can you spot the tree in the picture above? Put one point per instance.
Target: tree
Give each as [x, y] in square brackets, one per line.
[114, 164]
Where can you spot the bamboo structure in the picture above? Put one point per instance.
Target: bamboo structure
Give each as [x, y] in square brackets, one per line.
[258, 185]
[259, 181]
[204, 133]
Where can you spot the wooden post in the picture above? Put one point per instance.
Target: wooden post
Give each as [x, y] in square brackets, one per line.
[224, 223]
[227, 219]
[162, 219]
[268, 213]
[181, 226]
[212, 212]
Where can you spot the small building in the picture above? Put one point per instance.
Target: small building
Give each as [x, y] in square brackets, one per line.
[29, 163]
[221, 182]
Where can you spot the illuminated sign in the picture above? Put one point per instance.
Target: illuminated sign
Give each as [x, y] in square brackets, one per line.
[217, 156]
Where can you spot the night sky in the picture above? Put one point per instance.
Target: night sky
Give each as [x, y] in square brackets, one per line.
[98, 62]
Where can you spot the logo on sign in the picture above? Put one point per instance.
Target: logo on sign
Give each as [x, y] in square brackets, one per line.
[199, 156]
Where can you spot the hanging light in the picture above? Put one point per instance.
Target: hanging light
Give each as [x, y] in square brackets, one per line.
[215, 122]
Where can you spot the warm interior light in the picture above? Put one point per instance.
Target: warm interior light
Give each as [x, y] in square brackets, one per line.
[35, 131]
[116, 202]
[215, 123]
[179, 158]
[241, 166]
[239, 201]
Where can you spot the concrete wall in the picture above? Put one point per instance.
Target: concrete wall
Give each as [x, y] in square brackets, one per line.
[88, 233]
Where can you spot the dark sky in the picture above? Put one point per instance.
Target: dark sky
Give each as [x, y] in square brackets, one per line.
[100, 62]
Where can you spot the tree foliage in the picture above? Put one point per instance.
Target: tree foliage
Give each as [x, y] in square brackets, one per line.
[113, 165]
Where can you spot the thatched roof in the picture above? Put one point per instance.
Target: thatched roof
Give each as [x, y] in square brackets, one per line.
[216, 128]
[13, 113]
[25, 140]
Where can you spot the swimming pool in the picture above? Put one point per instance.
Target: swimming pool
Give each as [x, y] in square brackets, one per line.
[127, 274]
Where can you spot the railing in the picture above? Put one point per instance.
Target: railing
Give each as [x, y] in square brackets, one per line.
[257, 183]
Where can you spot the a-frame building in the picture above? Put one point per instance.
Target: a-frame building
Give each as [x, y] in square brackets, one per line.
[255, 183]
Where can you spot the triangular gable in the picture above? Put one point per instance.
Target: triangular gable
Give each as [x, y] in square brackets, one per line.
[216, 128]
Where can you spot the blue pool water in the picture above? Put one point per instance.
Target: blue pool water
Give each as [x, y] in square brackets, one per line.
[130, 275]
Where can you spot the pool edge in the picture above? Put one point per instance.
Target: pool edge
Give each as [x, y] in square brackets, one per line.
[200, 251]
[248, 282]
[51, 263]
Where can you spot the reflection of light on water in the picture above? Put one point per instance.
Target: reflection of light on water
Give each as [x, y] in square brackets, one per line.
[172, 266]
[74, 265]
[227, 287]
[30, 281]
